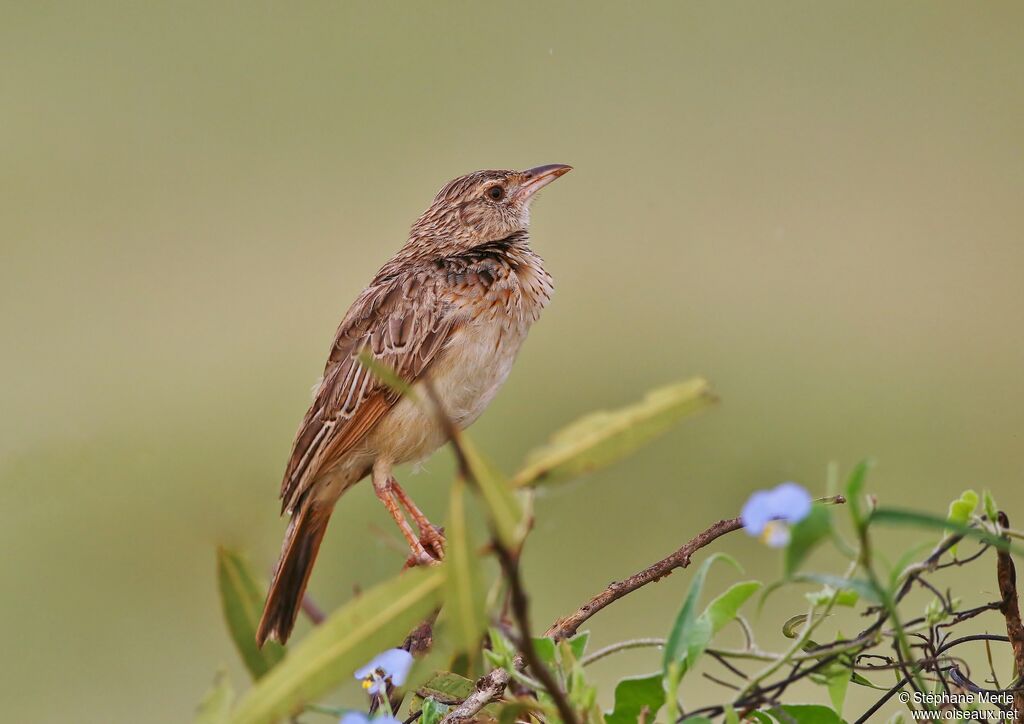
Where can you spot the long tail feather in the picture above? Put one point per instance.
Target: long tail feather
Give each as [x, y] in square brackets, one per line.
[301, 543]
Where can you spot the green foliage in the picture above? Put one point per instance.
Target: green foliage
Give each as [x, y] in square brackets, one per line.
[898, 516]
[505, 514]
[349, 638]
[380, 618]
[804, 714]
[433, 711]
[961, 510]
[464, 594]
[633, 695]
[241, 601]
[216, 705]
[805, 536]
[602, 438]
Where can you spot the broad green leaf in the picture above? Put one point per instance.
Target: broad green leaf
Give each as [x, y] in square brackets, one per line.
[691, 633]
[216, 705]
[855, 492]
[961, 510]
[805, 714]
[805, 535]
[896, 516]
[464, 595]
[241, 600]
[433, 711]
[350, 637]
[837, 682]
[602, 438]
[503, 509]
[723, 609]
[632, 695]
[545, 648]
[578, 644]
[760, 717]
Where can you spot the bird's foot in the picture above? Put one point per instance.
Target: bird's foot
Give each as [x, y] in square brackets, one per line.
[432, 539]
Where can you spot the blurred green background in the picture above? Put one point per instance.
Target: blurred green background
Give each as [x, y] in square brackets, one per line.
[820, 206]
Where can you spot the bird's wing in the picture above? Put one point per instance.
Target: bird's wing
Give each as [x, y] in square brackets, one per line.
[403, 323]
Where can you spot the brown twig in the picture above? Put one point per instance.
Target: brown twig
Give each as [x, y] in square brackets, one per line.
[1007, 574]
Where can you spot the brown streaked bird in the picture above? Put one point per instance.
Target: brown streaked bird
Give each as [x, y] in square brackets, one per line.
[452, 306]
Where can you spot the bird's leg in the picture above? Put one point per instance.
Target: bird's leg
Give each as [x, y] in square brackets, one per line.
[430, 535]
[382, 486]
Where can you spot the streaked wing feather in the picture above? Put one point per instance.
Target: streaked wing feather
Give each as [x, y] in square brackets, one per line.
[403, 324]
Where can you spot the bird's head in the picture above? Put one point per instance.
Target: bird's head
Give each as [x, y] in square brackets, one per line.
[482, 207]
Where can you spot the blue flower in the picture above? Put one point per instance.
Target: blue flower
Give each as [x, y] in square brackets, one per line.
[769, 513]
[390, 667]
[357, 717]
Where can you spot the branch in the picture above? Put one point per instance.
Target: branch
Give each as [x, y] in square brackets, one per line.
[1007, 575]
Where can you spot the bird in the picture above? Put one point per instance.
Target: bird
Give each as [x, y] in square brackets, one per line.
[446, 315]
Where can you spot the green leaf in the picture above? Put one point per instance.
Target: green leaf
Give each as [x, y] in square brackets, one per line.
[464, 595]
[545, 648]
[855, 492]
[843, 597]
[991, 509]
[805, 535]
[216, 705]
[632, 695]
[723, 609]
[897, 516]
[691, 633]
[698, 720]
[605, 437]
[837, 682]
[862, 587]
[433, 711]
[349, 638]
[961, 510]
[578, 644]
[805, 714]
[503, 509]
[241, 600]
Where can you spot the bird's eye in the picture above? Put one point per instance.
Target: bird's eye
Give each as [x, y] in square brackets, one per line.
[495, 193]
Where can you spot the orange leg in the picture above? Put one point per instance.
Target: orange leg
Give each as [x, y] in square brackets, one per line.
[385, 493]
[430, 535]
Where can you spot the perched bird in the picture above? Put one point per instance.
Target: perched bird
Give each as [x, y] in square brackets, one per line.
[451, 309]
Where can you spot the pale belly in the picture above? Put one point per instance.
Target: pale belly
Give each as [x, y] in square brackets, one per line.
[466, 379]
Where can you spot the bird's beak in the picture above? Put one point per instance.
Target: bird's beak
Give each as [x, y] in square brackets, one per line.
[535, 179]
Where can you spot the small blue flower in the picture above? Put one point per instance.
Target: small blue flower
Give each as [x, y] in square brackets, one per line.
[390, 667]
[357, 717]
[769, 513]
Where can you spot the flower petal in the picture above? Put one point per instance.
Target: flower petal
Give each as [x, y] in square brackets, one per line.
[756, 512]
[791, 502]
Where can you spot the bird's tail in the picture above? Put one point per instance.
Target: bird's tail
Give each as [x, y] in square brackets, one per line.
[301, 543]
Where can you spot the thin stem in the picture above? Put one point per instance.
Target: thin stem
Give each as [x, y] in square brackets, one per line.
[621, 646]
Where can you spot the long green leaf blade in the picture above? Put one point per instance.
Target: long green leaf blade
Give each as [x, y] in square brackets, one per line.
[242, 600]
[464, 596]
[349, 638]
[602, 438]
